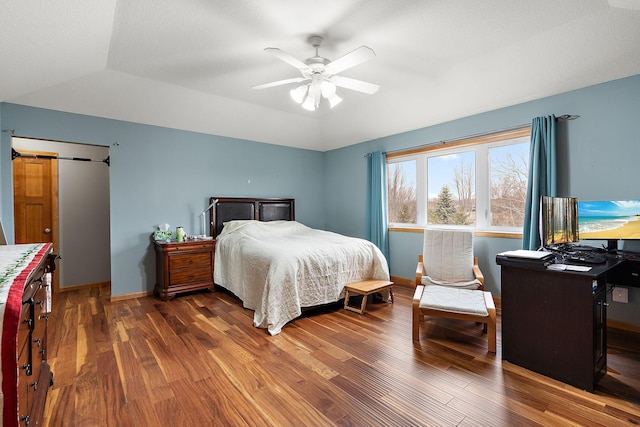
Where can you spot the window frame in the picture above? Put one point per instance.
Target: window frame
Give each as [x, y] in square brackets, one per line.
[481, 145]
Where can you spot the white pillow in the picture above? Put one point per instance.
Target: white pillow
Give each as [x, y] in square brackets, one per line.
[231, 226]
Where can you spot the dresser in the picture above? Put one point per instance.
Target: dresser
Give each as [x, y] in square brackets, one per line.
[25, 292]
[183, 267]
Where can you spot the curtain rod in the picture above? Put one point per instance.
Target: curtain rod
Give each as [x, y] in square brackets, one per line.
[562, 117]
[15, 154]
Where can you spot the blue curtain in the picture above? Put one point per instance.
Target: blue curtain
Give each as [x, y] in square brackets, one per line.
[377, 231]
[542, 177]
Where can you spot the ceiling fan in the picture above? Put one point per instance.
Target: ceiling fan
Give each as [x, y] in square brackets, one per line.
[320, 75]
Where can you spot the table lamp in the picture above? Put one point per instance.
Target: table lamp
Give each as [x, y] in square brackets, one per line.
[204, 229]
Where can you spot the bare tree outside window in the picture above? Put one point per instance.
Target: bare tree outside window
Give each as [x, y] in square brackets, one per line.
[509, 172]
[402, 192]
[465, 187]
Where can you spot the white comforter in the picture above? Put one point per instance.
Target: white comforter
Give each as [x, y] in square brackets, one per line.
[277, 267]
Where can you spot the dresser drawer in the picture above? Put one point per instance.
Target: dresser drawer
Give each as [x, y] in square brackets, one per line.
[25, 325]
[190, 260]
[25, 375]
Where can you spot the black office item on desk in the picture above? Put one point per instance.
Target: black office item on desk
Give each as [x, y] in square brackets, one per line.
[586, 248]
[538, 260]
[584, 257]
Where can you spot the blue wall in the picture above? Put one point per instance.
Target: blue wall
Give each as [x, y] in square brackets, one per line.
[598, 158]
[165, 175]
[160, 175]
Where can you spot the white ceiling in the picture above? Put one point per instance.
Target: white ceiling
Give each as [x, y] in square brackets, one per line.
[191, 64]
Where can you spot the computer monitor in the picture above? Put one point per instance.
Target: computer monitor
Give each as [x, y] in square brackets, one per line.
[609, 220]
[559, 220]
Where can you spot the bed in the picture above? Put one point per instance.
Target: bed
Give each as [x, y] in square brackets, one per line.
[277, 266]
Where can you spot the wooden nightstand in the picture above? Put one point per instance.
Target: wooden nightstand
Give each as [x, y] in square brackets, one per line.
[183, 267]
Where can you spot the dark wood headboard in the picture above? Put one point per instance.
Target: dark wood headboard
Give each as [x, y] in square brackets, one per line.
[230, 208]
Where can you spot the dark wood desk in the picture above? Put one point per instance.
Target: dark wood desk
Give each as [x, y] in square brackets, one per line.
[555, 322]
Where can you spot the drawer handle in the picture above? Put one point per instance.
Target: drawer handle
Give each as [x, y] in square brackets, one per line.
[28, 322]
[34, 385]
[25, 419]
[37, 341]
[27, 368]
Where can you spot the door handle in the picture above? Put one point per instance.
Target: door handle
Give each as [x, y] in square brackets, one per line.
[47, 230]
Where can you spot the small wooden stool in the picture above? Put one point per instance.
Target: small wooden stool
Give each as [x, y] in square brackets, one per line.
[365, 288]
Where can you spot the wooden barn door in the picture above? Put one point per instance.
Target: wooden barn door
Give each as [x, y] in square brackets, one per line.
[35, 200]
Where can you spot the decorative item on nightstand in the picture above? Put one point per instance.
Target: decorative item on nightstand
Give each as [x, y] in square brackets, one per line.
[163, 233]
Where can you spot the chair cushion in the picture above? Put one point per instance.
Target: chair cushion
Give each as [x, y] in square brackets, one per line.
[466, 284]
[448, 254]
[454, 300]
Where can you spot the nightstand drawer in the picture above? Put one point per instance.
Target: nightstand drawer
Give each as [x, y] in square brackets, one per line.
[189, 246]
[190, 275]
[190, 260]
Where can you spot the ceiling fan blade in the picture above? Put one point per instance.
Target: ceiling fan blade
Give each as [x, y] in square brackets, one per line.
[284, 56]
[280, 83]
[351, 59]
[357, 85]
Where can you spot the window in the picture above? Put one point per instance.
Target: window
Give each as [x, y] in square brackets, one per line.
[401, 178]
[477, 182]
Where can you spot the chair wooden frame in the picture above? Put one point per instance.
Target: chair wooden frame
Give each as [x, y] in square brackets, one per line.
[418, 313]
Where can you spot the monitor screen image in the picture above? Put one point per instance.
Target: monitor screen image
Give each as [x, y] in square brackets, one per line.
[609, 220]
[559, 220]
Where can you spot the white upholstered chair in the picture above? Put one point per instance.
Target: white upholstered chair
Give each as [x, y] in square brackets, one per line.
[449, 283]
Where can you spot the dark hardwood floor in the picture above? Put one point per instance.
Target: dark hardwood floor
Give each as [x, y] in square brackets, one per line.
[198, 361]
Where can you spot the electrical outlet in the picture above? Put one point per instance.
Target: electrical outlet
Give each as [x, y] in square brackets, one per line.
[620, 294]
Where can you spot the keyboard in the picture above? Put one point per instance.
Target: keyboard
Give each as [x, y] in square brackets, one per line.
[584, 257]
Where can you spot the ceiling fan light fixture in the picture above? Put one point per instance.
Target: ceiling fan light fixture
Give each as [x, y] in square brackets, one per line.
[321, 76]
[299, 93]
[315, 91]
[309, 104]
[328, 88]
[334, 100]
